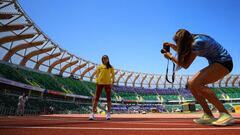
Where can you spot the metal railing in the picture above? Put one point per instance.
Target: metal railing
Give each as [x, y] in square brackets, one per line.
[12, 111]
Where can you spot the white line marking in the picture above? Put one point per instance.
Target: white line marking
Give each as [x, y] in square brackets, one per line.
[121, 122]
[135, 129]
[151, 123]
[103, 121]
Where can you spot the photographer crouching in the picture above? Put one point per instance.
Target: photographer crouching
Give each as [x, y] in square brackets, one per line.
[188, 47]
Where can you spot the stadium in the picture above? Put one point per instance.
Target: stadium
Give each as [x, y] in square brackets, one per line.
[60, 87]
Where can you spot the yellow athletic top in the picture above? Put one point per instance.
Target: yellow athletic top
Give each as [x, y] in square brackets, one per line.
[104, 76]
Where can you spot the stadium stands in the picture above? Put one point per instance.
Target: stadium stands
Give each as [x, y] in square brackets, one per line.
[9, 72]
[86, 88]
[72, 86]
[231, 92]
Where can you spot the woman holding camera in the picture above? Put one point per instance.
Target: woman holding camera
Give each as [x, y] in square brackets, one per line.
[188, 47]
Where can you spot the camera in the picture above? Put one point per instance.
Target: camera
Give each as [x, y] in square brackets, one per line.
[165, 49]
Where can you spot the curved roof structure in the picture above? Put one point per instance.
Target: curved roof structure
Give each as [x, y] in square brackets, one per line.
[22, 42]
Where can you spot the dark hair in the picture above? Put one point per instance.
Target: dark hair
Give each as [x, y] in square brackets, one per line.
[108, 64]
[24, 94]
[183, 39]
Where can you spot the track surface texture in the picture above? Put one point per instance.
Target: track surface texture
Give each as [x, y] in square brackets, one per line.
[121, 124]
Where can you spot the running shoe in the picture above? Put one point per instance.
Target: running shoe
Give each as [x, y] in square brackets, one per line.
[224, 120]
[108, 116]
[91, 117]
[205, 120]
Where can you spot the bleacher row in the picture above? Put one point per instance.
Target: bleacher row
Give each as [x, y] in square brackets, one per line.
[86, 88]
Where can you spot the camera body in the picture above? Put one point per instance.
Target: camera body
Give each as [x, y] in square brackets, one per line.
[165, 49]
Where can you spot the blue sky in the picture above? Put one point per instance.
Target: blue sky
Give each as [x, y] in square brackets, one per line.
[131, 32]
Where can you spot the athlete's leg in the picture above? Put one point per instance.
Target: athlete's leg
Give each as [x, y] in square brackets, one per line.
[210, 74]
[96, 98]
[199, 95]
[108, 96]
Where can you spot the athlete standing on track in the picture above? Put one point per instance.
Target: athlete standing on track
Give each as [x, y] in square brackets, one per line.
[104, 79]
[21, 104]
[188, 47]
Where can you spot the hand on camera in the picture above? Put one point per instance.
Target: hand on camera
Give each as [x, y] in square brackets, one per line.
[168, 55]
[167, 44]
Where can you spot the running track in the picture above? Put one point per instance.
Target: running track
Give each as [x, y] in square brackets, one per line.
[134, 124]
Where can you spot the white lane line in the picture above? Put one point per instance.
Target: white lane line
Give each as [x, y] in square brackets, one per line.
[151, 123]
[103, 121]
[128, 123]
[159, 120]
[120, 122]
[135, 129]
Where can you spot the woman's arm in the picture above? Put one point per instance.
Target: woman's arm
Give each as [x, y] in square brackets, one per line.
[113, 75]
[186, 63]
[97, 74]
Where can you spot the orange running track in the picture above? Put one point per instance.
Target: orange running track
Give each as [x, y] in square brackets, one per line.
[121, 124]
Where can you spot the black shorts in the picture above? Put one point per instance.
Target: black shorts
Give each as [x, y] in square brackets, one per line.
[227, 64]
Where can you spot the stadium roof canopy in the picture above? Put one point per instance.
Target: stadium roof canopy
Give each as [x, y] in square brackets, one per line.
[23, 43]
